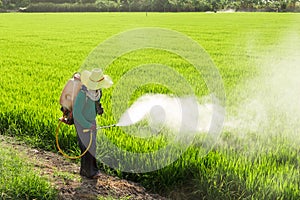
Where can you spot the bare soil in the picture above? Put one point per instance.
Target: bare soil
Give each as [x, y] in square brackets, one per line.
[64, 176]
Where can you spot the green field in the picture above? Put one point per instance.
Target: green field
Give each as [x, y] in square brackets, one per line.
[19, 181]
[39, 53]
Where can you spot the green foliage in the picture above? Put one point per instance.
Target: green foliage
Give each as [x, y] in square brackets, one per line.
[64, 7]
[107, 5]
[18, 180]
[53, 1]
[37, 59]
[151, 5]
[22, 3]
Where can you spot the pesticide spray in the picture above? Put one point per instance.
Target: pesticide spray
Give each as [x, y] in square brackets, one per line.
[268, 113]
[184, 117]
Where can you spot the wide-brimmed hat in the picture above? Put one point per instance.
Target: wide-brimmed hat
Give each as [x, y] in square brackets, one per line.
[95, 79]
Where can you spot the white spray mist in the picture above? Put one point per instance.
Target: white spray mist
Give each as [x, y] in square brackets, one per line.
[184, 116]
[270, 109]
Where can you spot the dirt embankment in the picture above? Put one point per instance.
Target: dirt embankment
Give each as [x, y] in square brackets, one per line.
[64, 175]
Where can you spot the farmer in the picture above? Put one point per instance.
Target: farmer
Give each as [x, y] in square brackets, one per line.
[84, 113]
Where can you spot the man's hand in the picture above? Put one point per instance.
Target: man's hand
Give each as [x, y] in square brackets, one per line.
[93, 127]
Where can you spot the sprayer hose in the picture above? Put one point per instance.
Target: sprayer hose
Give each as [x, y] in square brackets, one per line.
[72, 157]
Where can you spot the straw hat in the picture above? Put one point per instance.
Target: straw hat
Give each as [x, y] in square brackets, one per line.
[95, 79]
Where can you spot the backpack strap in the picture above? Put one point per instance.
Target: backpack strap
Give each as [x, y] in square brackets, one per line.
[84, 88]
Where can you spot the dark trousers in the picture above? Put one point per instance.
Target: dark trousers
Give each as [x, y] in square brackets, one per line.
[88, 164]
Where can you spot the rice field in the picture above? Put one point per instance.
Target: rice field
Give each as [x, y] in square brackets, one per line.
[18, 179]
[257, 57]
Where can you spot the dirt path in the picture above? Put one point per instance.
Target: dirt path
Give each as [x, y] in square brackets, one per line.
[64, 175]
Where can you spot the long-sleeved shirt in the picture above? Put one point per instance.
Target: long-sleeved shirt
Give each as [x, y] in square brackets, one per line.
[84, 111]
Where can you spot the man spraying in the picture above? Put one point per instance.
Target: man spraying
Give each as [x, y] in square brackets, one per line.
[84, 114]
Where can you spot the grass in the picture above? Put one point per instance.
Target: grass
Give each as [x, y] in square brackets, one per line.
[19, 181]
[67, 176]
[39, 52]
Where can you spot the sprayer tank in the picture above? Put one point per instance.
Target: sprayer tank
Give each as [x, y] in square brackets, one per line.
[69, 93]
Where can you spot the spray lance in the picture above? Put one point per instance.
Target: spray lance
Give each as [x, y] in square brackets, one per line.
[85, 131]
[101, 127]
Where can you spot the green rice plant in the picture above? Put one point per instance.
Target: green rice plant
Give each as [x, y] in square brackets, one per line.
[19, 180]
